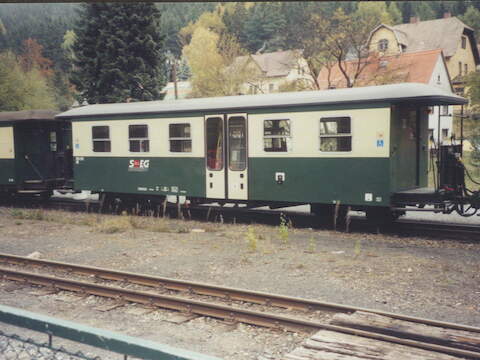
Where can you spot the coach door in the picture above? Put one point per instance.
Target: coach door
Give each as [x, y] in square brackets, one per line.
[237, 157]
[226, 156]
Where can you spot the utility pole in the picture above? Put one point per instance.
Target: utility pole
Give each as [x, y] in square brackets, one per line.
[174, 75]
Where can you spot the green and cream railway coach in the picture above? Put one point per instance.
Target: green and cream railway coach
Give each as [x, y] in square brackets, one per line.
[356, 147]
[34, 152]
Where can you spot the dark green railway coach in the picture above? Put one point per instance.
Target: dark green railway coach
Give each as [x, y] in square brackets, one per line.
[354, 147]
[34, 152]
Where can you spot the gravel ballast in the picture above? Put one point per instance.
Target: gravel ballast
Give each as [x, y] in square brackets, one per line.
[419, 277]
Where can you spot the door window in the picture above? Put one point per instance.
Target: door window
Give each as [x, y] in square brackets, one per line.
[237, 156]
[215, 143]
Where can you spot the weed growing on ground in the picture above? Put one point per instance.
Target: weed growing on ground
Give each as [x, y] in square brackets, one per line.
[159, 226]
[136, 222]
[183, 229]
[17, 214]
[283, 229]
[252, 239]
[114, 225]
[87, 220]
[34, 214]
[358, 248]
[211, 227]
[312, 245]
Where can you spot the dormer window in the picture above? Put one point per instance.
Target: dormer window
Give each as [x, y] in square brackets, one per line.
[383, 45]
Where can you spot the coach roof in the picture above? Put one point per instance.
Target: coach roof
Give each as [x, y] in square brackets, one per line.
[395, 93]
[28, 115]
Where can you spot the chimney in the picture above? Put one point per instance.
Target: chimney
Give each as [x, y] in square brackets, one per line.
[414, 19]
[447, 14]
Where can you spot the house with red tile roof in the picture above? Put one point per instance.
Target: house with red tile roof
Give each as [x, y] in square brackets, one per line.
[449, 34]
[427, 67]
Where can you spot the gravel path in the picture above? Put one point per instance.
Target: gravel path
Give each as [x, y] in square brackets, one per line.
[433, 279]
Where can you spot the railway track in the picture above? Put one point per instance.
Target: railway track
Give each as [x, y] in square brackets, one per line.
[403, 227]
[438, 337]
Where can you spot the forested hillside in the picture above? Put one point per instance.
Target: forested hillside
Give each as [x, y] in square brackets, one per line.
[37, 40]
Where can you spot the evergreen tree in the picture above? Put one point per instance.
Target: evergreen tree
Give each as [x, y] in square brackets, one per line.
[406, 9]
[118, 53]
[265, 28]
[175, 16]
[472, 19]
[423, 11]
[44, 22]
[235, 21]
[395, 13]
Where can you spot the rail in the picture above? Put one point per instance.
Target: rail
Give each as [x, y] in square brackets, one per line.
[429, 342]
[215, 290]
[87, 335]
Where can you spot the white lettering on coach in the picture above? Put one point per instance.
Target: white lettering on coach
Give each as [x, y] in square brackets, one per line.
[138, 165]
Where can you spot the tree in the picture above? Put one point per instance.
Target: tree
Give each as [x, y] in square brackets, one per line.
[206, 75]
[472, 125]
[177, 15]
[340, 38]
[472, 19]
[423, 10]
[32, 58]
[208, 20]
[220, 73]
[395, 13]
[406, 9]
[234, 20]
[3, 30]
[118, 53]
[11, 94]
[68, 41]
[22, 90]
[372, 13]
[265, 27]
[46, 23]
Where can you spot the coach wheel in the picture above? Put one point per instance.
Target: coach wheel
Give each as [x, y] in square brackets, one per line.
[105, 203]
[381, 215]
[328, 215]
[45, 196]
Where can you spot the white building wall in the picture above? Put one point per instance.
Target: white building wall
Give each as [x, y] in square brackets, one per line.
[267, 85]
[440, 79]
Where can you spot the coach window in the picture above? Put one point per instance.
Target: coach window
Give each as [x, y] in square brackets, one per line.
[180, 138]
[138, 138]
[101, 138]
[335, 134]
[237, 140]
[215, 143]
[275, 135]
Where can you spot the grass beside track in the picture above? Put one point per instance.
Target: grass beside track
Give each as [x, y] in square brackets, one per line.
[111, 224]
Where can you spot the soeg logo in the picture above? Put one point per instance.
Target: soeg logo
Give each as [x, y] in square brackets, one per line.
[138, 165]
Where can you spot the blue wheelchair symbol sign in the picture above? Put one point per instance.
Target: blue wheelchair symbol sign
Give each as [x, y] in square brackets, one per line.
[380, 143]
